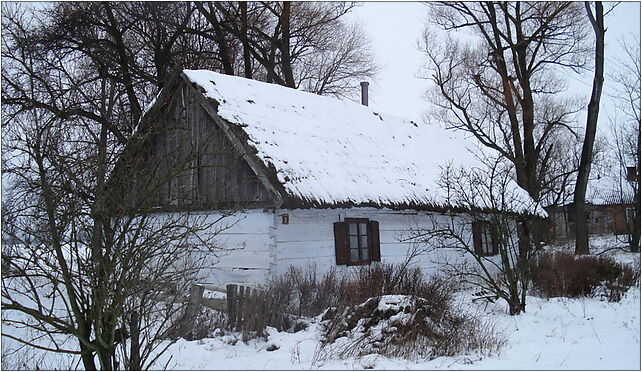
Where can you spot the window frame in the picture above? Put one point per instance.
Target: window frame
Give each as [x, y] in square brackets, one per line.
[358, 222]
[342, 244]
[483, 238]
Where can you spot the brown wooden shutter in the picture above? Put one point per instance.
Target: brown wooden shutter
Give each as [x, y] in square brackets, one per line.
[375, 246]
[341, 242]
[477, 230]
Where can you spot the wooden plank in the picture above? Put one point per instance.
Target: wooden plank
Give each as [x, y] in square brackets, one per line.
[208, 186]
[242, 180]
[239, 310]
[192, 130]
[225, 179]
[236, 143]
[219, 161]
[194, 302]
[259, 309]
[231, 305]
[219, 304]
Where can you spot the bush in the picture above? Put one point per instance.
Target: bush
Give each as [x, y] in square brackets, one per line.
[304, 292]
[390, 279]
[404, 326]
[427, 325]
[564, 275]
[205, 324]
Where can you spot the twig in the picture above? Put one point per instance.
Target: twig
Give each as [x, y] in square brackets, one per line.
[623, 249]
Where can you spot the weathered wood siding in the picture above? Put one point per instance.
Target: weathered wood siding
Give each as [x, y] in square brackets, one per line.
[196, 165]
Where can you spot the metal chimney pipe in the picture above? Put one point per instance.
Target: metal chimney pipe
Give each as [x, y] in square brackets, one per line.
[364, 93]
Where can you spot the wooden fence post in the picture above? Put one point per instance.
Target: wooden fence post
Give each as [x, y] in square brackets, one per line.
[194, 301]
[231, 305]
[249, 309]
[241, 300]
[191, 310]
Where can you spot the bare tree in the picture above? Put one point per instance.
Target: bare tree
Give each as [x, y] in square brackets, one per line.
[298, 44]
[579, 197]
[86, 262]
[492, 244]
[499, 82]
[626, 135]
[135, 45]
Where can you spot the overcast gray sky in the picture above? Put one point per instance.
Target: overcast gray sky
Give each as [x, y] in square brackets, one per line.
[395, 27]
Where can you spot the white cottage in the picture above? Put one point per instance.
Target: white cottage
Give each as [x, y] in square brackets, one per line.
[314, 180]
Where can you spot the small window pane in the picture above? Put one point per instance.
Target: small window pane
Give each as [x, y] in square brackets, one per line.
[354, 242]
[354, 255]
[487, 241]
[364, 241]
[364, 254]
[488, 249]
[353, 228]
[362, 228]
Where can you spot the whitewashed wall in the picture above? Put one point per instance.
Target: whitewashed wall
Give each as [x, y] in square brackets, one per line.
[308, 238]
[258, 245]
[244, 239]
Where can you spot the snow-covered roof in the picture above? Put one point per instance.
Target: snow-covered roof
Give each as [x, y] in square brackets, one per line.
[331, 151]
[610, 189]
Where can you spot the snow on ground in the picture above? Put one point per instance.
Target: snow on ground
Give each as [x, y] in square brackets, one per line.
[569, 334]
[611, 246]
[563, 333]
[557, 333]
[560, 333]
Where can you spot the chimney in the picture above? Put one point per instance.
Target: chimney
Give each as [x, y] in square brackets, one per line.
[364, 93]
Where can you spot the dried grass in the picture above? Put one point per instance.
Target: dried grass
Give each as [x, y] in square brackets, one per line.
[305, 292]
[564, 275]
[416, 329]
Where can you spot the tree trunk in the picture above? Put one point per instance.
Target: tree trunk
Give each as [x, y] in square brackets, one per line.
[286, 60]
[134, 363]
[247, 58]
[515, 306]
[635, 229]
[224, 52]
[87, 356]
[127, 78]
[635, 233]
[581, 224]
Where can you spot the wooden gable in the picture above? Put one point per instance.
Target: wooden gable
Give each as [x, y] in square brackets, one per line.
[186, 160]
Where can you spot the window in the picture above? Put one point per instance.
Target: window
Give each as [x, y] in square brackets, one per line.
[356, 241]
[483, 239]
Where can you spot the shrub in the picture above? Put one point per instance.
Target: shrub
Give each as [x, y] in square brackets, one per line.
[404, 326]
[305, 292]
[564, 275]
[437, 327]
[205, 324]
[386, 279]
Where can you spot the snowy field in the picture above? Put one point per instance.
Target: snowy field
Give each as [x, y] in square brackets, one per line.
[553, 334]
[569, 334]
